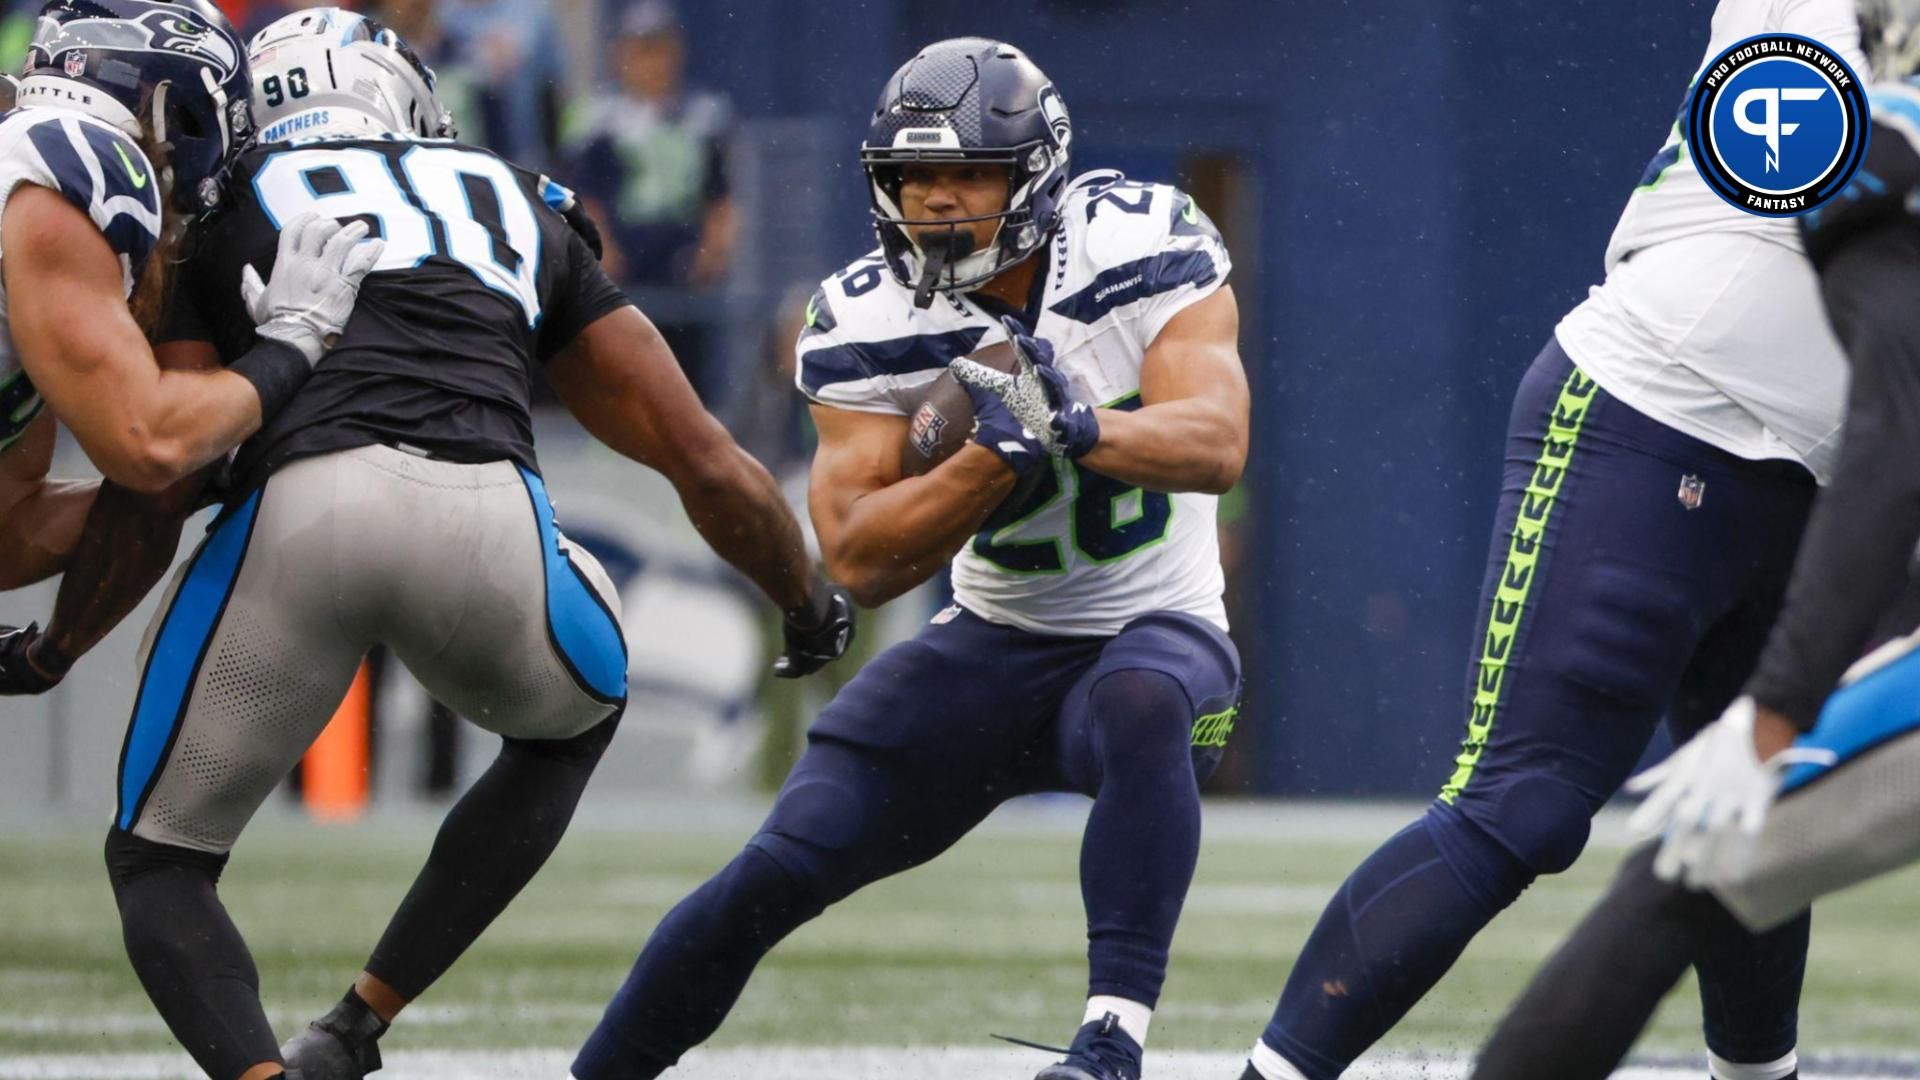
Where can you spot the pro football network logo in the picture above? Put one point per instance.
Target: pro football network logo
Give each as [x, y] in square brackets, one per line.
[1777, 124]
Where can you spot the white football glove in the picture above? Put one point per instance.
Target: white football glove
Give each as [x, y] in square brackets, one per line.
[316, 278]
[1710, 799]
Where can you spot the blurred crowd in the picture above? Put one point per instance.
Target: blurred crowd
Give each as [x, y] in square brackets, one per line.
[648, 153]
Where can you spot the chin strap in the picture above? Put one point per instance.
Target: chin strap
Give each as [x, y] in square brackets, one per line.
[939, 252]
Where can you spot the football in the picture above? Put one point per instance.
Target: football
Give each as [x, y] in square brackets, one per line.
[942, 423]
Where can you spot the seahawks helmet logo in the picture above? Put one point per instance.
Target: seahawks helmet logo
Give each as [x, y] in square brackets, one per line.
[175, 32]
[1054, 110]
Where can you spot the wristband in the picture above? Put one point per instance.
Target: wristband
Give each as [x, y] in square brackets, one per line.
[276, 369]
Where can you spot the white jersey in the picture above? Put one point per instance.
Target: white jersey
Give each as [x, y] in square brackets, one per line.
[1710, 319]
[102, 172]
[1092, 553]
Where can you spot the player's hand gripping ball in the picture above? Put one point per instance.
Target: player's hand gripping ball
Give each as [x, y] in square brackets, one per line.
[950, 415]
[1036, 394]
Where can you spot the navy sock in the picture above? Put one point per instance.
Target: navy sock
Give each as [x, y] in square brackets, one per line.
[1389, 934]
[1143, 836]
[693, 968]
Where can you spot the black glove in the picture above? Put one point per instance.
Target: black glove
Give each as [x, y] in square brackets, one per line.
[28, 665]
[579, 219]
[817, 632]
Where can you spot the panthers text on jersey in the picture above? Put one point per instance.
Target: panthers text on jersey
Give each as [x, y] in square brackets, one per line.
[103, 173]
[1710, 320]
[1090, 553]
[481, 279]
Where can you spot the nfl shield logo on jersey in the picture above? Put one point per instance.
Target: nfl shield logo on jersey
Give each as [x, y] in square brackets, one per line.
[76, 64]
[1691, 490]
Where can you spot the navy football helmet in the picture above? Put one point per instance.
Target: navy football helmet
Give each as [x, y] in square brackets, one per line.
[975, 100]
[1890, 35]
[174, 72]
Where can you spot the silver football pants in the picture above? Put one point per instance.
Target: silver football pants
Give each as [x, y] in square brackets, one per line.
[458, 569]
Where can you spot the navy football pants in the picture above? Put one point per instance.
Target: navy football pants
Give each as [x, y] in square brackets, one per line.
[916, 751]
[1634, 573]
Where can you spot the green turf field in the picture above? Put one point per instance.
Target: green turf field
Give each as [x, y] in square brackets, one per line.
[987, 939]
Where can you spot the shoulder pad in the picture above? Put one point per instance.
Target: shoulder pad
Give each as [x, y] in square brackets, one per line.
[95, 167]
[1134, 241]
[1122, 220]
[863, 338]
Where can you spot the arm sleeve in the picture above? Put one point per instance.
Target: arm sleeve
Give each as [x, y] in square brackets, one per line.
[1854, 557]
[582, 293]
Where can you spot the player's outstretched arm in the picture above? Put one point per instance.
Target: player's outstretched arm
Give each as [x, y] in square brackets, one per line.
[621, 381]
[125, 548]
[40, 517]
[143, 427]
[1191, 432]
[881, 532]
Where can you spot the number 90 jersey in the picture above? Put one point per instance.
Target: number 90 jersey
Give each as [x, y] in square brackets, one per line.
[1089, 553]
[481, 278]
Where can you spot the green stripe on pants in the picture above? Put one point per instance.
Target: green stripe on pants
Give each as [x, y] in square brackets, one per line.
[1516, 580]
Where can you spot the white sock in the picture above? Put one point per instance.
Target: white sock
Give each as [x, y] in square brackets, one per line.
[1135, 1018]
[1722, 1069]
[1268, 1063]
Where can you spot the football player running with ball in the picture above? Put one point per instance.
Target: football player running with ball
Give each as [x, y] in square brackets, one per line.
[1087, 650]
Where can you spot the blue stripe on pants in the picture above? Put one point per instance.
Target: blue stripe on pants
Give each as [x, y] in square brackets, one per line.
[583, 630]
[1881, 707]
[177, 649]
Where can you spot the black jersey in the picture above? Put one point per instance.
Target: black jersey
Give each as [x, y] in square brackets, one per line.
[481, 279]
[1854, 559]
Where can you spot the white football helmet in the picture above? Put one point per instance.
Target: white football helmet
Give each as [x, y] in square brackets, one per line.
[1890, 34]
[329, 72]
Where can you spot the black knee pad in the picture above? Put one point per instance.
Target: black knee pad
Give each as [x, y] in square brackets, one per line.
[128, 857]
[1542, 821]
[584, 749]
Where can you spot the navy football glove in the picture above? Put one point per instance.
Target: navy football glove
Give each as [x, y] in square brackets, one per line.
[995, 427]
[817, 633]
[28, 665]
[1036, 394]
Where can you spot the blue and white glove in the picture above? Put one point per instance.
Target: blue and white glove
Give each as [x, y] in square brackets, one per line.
[995, 428]
[1710, 799]
[1036, 394]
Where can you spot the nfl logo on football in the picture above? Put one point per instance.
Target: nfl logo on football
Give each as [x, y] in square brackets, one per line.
[1691, 489]
[76, 64]
[926, 428]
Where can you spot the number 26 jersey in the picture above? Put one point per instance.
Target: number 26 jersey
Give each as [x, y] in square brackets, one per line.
[1088, 553]
[480, 280]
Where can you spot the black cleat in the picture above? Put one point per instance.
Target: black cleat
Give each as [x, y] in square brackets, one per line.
[342, 1045]
[1251, 1073]
[1100, 1051]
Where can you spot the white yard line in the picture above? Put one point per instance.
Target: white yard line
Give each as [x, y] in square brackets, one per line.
[842, 1063]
